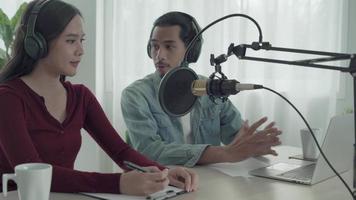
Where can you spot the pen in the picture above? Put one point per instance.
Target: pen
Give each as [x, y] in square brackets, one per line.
[131, 165]
[157, 196]
[93, 196]
[165, 195]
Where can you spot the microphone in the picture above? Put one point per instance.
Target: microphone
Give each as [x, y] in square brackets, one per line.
[220, 87]
[181, 86]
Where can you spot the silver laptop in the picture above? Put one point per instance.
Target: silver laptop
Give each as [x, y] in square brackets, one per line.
[337, 146]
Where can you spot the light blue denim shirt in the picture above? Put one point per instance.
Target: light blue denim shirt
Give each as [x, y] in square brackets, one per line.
[160, 137]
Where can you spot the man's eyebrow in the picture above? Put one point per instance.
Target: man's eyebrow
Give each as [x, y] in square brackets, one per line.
[165, 41]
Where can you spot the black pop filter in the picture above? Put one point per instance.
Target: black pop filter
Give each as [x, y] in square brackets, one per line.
[175, 93]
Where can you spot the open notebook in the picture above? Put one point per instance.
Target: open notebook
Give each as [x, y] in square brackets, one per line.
[337, 146]
[168, 192]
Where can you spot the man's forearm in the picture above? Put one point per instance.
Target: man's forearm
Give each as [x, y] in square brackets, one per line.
[213, 154]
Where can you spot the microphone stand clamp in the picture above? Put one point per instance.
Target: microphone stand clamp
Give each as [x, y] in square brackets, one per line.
[218, 74]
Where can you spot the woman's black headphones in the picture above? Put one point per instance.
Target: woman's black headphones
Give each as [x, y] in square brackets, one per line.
[35, 44]
[194, 53]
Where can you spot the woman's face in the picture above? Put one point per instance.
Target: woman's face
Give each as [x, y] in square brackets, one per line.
[66, 50]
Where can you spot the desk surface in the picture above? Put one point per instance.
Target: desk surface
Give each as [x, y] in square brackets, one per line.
[216, 185]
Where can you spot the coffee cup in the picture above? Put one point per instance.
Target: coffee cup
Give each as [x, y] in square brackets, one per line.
[309, 147]
[33, 181]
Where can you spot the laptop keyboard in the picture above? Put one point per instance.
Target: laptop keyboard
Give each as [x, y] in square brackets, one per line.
[303, 173]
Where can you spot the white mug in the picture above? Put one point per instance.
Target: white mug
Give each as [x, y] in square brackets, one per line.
[310, 150]
[33, 181]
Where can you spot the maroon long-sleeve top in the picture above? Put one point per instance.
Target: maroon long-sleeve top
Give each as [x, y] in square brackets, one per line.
[29, 133]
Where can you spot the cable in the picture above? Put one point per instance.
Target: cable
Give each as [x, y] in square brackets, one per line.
[190, 45]
[315, 140]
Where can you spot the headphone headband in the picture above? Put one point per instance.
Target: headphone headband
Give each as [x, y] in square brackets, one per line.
[31, 24]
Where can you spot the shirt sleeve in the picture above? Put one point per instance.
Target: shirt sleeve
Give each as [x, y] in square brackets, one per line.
[18, 148]
[230, 122]
[143, 130]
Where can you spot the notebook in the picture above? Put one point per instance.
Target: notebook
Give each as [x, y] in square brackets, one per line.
[167, 193]
[337, 146]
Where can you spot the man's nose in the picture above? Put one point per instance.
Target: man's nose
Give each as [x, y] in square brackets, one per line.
[161, 54]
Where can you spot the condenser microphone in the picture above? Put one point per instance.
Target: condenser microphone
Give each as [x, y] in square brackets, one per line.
[181, 86]
[220, 87]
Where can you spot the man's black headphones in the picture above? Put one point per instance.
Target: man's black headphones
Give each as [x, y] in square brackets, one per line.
[195, 50]
[35, 44]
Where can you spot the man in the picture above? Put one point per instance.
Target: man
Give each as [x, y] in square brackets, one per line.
[196, 137]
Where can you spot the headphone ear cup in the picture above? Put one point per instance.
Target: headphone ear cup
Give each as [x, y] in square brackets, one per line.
[149, 49]
[31, 47]
[42, 43]
[194, 53]
[35, 46]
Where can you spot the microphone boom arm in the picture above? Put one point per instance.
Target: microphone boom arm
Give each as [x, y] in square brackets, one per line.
[240, 52]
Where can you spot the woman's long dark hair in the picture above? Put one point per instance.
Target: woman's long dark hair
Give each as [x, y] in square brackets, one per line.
[51, 21]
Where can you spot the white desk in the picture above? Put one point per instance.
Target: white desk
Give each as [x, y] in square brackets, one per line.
[216, 185]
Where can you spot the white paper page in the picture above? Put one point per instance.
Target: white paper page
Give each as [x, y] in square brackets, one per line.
[157, 195]
[239, 168]
[114, 196]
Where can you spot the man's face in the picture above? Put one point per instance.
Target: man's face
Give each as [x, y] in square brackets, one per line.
[167, 49]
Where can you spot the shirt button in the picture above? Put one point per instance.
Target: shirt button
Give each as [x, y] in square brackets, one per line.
[61, 131]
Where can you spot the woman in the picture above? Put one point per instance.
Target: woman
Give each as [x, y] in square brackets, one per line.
[41, 114]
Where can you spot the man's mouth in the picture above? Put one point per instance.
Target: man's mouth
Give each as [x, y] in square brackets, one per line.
[161, 66]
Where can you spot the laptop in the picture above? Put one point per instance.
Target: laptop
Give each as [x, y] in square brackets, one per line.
[337, 146]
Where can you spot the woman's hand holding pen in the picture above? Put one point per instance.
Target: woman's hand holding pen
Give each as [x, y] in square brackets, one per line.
[148, 180]
[139, 183]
